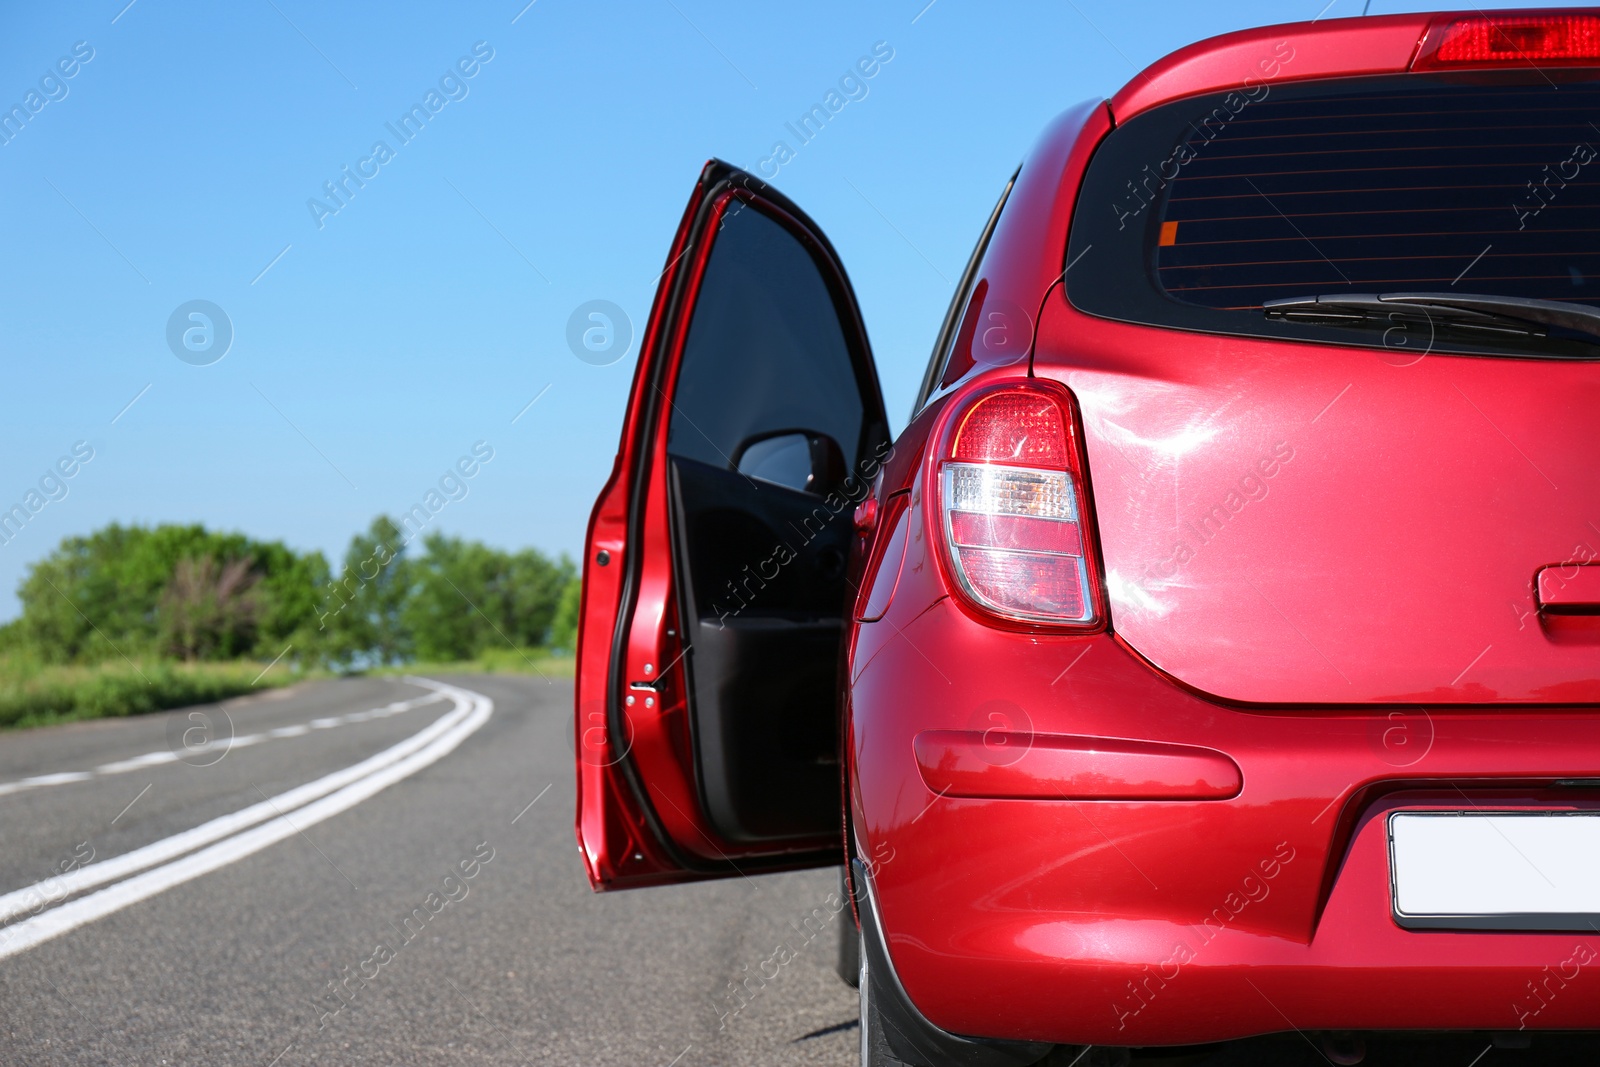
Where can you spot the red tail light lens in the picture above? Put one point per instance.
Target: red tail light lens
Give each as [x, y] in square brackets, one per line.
[1011, 500]
[1025, 429]
[1511, 40]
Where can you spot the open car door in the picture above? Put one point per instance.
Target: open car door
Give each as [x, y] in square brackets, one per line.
[714, 587]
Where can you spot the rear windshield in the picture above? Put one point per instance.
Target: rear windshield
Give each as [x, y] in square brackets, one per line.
[1195, 213]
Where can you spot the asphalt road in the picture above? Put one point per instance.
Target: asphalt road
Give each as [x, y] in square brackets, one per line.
[225, 946]
[519, 963]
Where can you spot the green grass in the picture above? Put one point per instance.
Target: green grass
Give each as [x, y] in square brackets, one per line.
[541, 662]
[36, 694]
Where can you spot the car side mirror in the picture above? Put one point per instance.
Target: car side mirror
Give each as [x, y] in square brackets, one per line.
[803, 460]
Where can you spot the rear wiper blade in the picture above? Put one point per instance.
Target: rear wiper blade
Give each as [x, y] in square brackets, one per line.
[1506, 315]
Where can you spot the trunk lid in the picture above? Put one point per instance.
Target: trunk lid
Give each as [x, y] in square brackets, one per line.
[1314, 512]
[1283, 523]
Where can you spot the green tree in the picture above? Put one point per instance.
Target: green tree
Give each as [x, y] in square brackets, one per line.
[362, 613]
[564, 628]
[536, 585]
[208, 611]
[288, 598]
[194, 594]
[101, 595]
[469, 597]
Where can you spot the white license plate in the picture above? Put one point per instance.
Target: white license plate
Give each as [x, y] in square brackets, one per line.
[1496, 870]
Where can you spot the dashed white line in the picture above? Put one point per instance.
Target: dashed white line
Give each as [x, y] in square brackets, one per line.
[151, 759]
[57, 779]
[231, 837]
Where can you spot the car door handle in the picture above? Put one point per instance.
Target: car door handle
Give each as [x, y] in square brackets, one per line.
[1569, 589]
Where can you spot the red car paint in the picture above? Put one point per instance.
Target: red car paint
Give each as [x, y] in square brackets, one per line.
[1169, 830]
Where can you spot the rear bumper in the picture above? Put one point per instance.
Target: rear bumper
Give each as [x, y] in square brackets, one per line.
[1176, 920]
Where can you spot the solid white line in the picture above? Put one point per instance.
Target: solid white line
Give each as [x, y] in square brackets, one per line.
[67, 917]
[24, 900]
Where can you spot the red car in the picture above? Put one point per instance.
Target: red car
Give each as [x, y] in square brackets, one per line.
[1216, 652]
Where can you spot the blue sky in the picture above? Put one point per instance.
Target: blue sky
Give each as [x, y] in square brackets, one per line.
[371, 351]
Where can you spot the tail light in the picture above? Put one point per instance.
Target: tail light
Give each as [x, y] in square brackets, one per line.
[1510, 41]
[1011, 501]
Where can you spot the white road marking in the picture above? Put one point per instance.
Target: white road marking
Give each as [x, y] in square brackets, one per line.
[472, 711]
[22, 901]
[56, 779]
[150, 759]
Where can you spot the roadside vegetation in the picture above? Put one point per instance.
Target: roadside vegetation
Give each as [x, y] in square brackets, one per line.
[133, 619]
[535, 662]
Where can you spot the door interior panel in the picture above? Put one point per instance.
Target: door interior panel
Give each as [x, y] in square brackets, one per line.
[763, 582]
[763, 693]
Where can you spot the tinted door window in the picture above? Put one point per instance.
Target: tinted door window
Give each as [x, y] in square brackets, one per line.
[765, 350]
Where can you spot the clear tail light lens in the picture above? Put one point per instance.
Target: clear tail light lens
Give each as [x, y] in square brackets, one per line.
[1011, 501]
